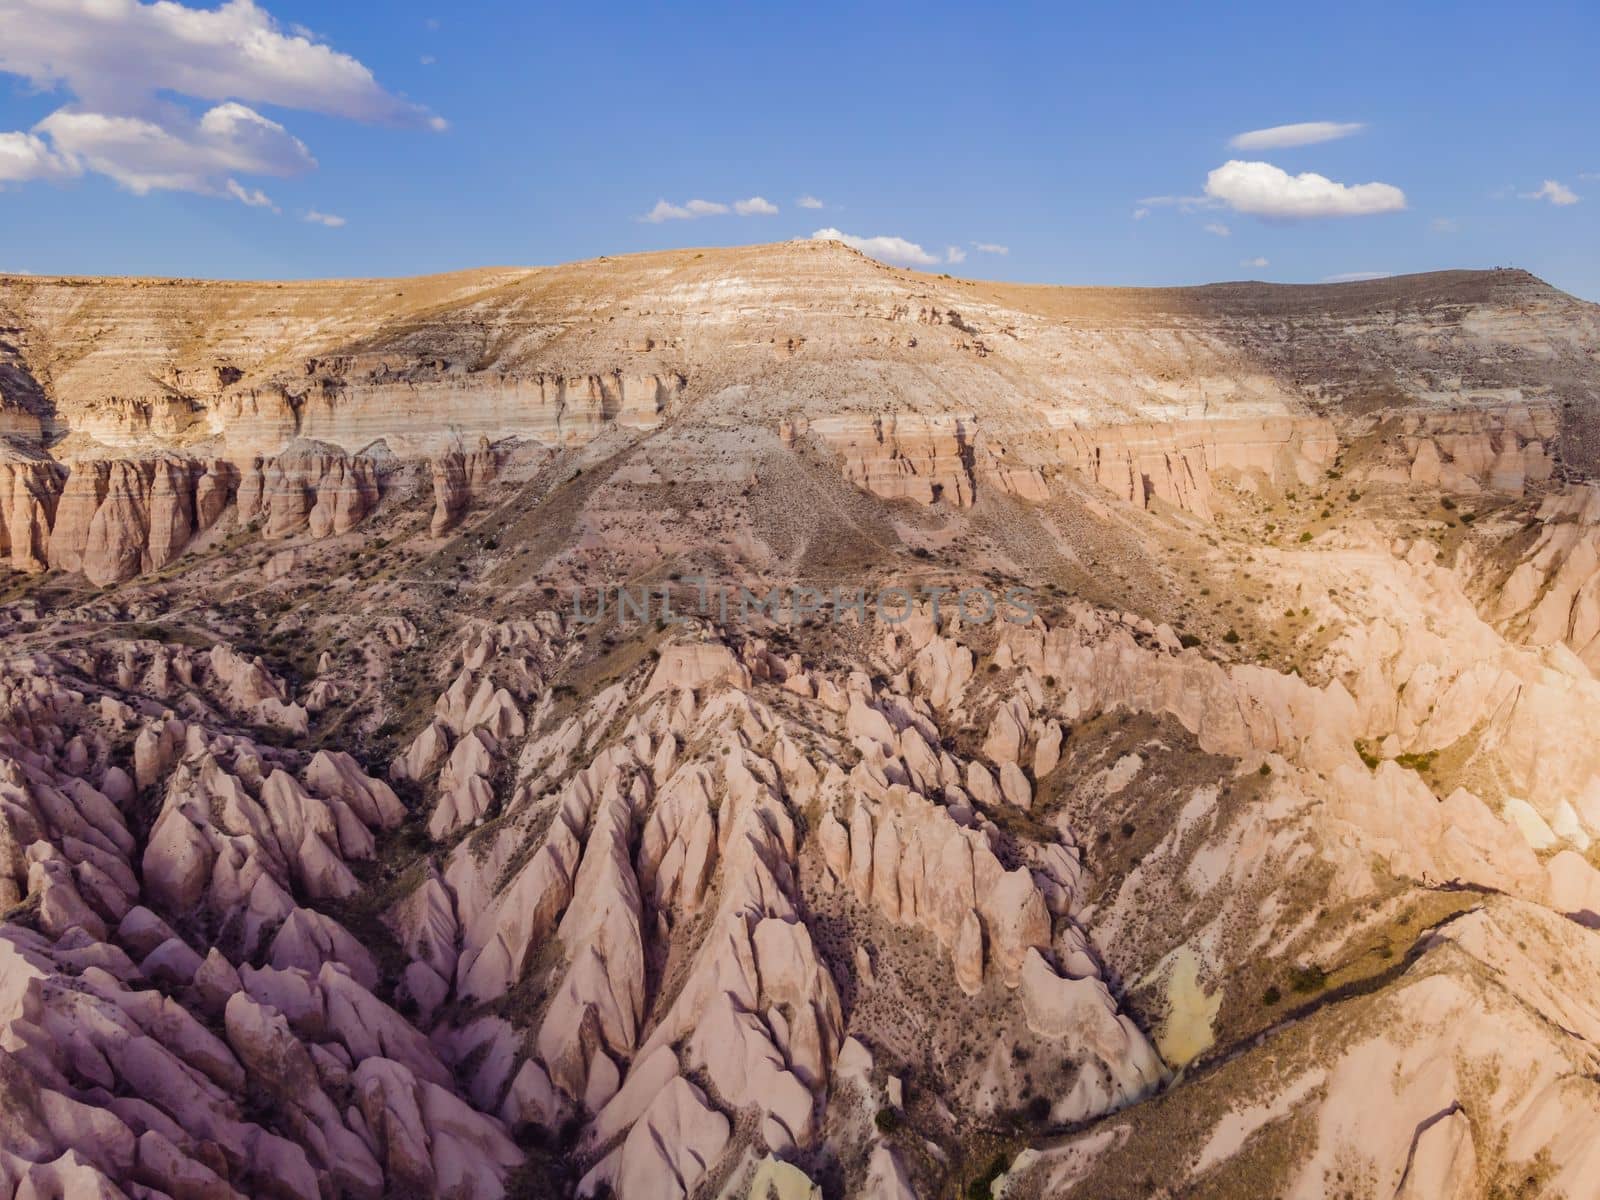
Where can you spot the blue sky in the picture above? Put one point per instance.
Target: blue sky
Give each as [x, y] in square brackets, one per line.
[198, 141]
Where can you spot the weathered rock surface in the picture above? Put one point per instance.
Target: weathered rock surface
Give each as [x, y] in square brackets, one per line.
[1254, 854]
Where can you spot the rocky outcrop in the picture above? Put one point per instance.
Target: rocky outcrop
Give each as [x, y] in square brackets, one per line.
[360, 400]
[1174, 463]
[902, 456]
[30, 490]
[129, 1060]
[125, 518]
[1497, 450]
[1551, 596]
[459, 478]
[115, 519]
[949, 458]
[313, 488]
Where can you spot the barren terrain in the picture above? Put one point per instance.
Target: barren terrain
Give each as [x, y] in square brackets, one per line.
[347, 848]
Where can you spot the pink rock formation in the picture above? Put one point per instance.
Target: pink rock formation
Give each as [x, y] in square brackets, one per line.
[459, 477]
[29, 496]
[1292, 778]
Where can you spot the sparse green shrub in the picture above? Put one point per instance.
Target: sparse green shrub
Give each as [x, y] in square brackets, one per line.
[1307, 979]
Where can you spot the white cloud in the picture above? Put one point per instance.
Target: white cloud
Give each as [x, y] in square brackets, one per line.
[1444, 225]
[322, 218]
[755, 206]
[1264, 190]
[810, 201]
[427, 60]
[954, 254]
[124, 61]
[24, 156]
[667, 212]
[1258, 261]
[251, 197]
[1305, 133]
[1140, 214]
[1218, 229]
[114, 55]
[991, 248]
[890, 249]
[1558, 194]
[1356, 276]
[173, 153]
[664, 211]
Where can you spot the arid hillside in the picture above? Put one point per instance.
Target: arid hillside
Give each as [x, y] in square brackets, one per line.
[757, 722]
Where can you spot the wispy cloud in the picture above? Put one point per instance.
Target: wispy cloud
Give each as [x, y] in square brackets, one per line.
[810, 201]
[1445, 225]
[991, 248]
[251, 197]
[1257, 262]
[1263, 190]
[1218, 229]
[1558, 194]
[1184, 204]
[954, 254]
[322, 218]
[1304, 133]
[665, 210]
[125, 62]
[889, 249]
[1356, 276]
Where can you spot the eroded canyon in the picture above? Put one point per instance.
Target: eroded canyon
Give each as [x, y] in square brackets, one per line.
[343, 854]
